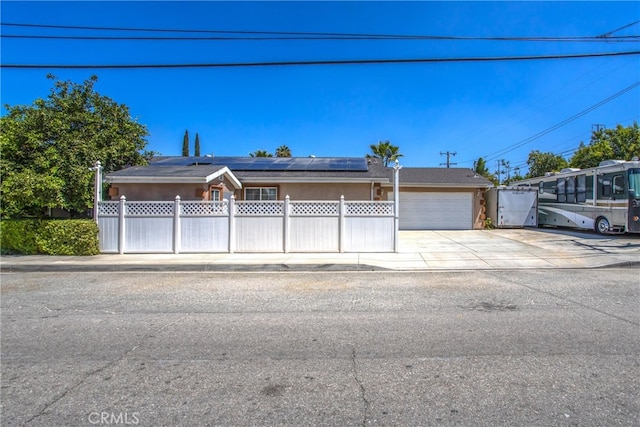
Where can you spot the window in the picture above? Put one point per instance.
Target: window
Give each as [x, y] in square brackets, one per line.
[618, 185]
[562, 195]
[606, 188]
[634, 182]
[581, 195]
[571, 189]
[215, 194]
[261, 193]
[613, 187]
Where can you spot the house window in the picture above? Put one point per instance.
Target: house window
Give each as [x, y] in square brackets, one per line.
[215, 195]
[261, 193]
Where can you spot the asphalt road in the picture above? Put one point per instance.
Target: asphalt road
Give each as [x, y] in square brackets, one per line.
[553, 347]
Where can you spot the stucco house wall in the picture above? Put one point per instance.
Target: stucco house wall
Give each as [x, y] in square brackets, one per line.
[164, 191]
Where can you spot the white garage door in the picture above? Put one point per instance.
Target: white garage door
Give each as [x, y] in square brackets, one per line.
[435, 211]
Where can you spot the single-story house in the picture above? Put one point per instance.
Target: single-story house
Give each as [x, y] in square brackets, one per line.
[433, 198]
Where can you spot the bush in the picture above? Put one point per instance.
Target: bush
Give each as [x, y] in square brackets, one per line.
[19, 236]
[51, 237]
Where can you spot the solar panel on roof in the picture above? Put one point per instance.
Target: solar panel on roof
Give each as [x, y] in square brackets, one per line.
[335, 164]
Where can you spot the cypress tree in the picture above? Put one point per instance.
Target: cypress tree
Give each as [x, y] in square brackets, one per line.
[185, 144]
[197, 153]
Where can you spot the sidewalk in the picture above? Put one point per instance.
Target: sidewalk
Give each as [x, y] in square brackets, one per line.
[418, 251]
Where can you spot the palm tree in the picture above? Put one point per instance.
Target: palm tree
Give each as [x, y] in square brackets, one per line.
[384, 150]
[260, 153]
[283, 151]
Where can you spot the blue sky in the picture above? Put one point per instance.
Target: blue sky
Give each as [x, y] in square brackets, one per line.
[476, 109]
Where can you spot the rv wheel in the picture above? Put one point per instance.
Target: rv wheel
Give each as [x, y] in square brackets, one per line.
[602, 225]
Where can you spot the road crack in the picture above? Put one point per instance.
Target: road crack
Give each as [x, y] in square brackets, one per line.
[88, 375]
[363, 394]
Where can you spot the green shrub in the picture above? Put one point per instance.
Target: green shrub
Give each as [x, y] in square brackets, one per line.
[19, 236]
[51, 237]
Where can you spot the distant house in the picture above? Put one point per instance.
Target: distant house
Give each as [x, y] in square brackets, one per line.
[430, 198]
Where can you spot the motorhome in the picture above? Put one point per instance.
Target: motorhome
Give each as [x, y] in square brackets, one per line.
[605, 198]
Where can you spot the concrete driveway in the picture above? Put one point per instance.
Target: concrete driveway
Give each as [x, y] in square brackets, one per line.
[517, 248]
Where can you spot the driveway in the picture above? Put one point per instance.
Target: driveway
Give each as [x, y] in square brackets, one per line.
[516, 248]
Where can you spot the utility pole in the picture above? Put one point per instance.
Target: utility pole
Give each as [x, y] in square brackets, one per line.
[448, 154]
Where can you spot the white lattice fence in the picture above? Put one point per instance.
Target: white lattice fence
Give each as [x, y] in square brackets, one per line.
[147, 209]
[369, 208]
[246, 226]
[315, 208]
[251, 208]
[204, 208]
[108, 209]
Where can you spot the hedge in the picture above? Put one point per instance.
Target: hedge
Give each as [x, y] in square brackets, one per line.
[50, 237]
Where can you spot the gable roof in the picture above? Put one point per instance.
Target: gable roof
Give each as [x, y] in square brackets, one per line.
[172, 174]
[441, 177]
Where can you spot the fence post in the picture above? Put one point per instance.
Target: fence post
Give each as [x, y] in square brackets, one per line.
[97, 189]
[341, 224]
[396, 204]
[121, 233]
[176, 225]
[232, 224]
[285, 228]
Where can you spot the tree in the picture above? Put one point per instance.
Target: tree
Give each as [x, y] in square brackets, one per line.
[260, 153]
[197, 147]
[621, 143]
[47, 149]
[480, 167]
[540, 163]
[283, 151]
[185, 144]
[384, 150]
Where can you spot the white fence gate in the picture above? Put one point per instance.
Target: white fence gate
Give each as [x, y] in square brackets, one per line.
[246, 226]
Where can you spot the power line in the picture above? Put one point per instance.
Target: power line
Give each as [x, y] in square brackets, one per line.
[620, 39]
[606, 35]
[293, 35]
[560, 124]
[318, 62]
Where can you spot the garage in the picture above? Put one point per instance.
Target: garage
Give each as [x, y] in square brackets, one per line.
[440, 198]
[435, 210]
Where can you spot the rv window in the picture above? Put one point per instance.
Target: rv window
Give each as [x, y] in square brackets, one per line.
[606, 188]
[634, 182]
[581, 193]
[571, 189]
[561, 191]
[618, 185]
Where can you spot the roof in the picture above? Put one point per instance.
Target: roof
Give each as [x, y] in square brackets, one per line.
[254, 169]
[305, 164]
[293, 169]
[441, 177]
[172, 174]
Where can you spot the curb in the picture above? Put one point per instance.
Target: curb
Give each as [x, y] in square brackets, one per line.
[76, 268]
